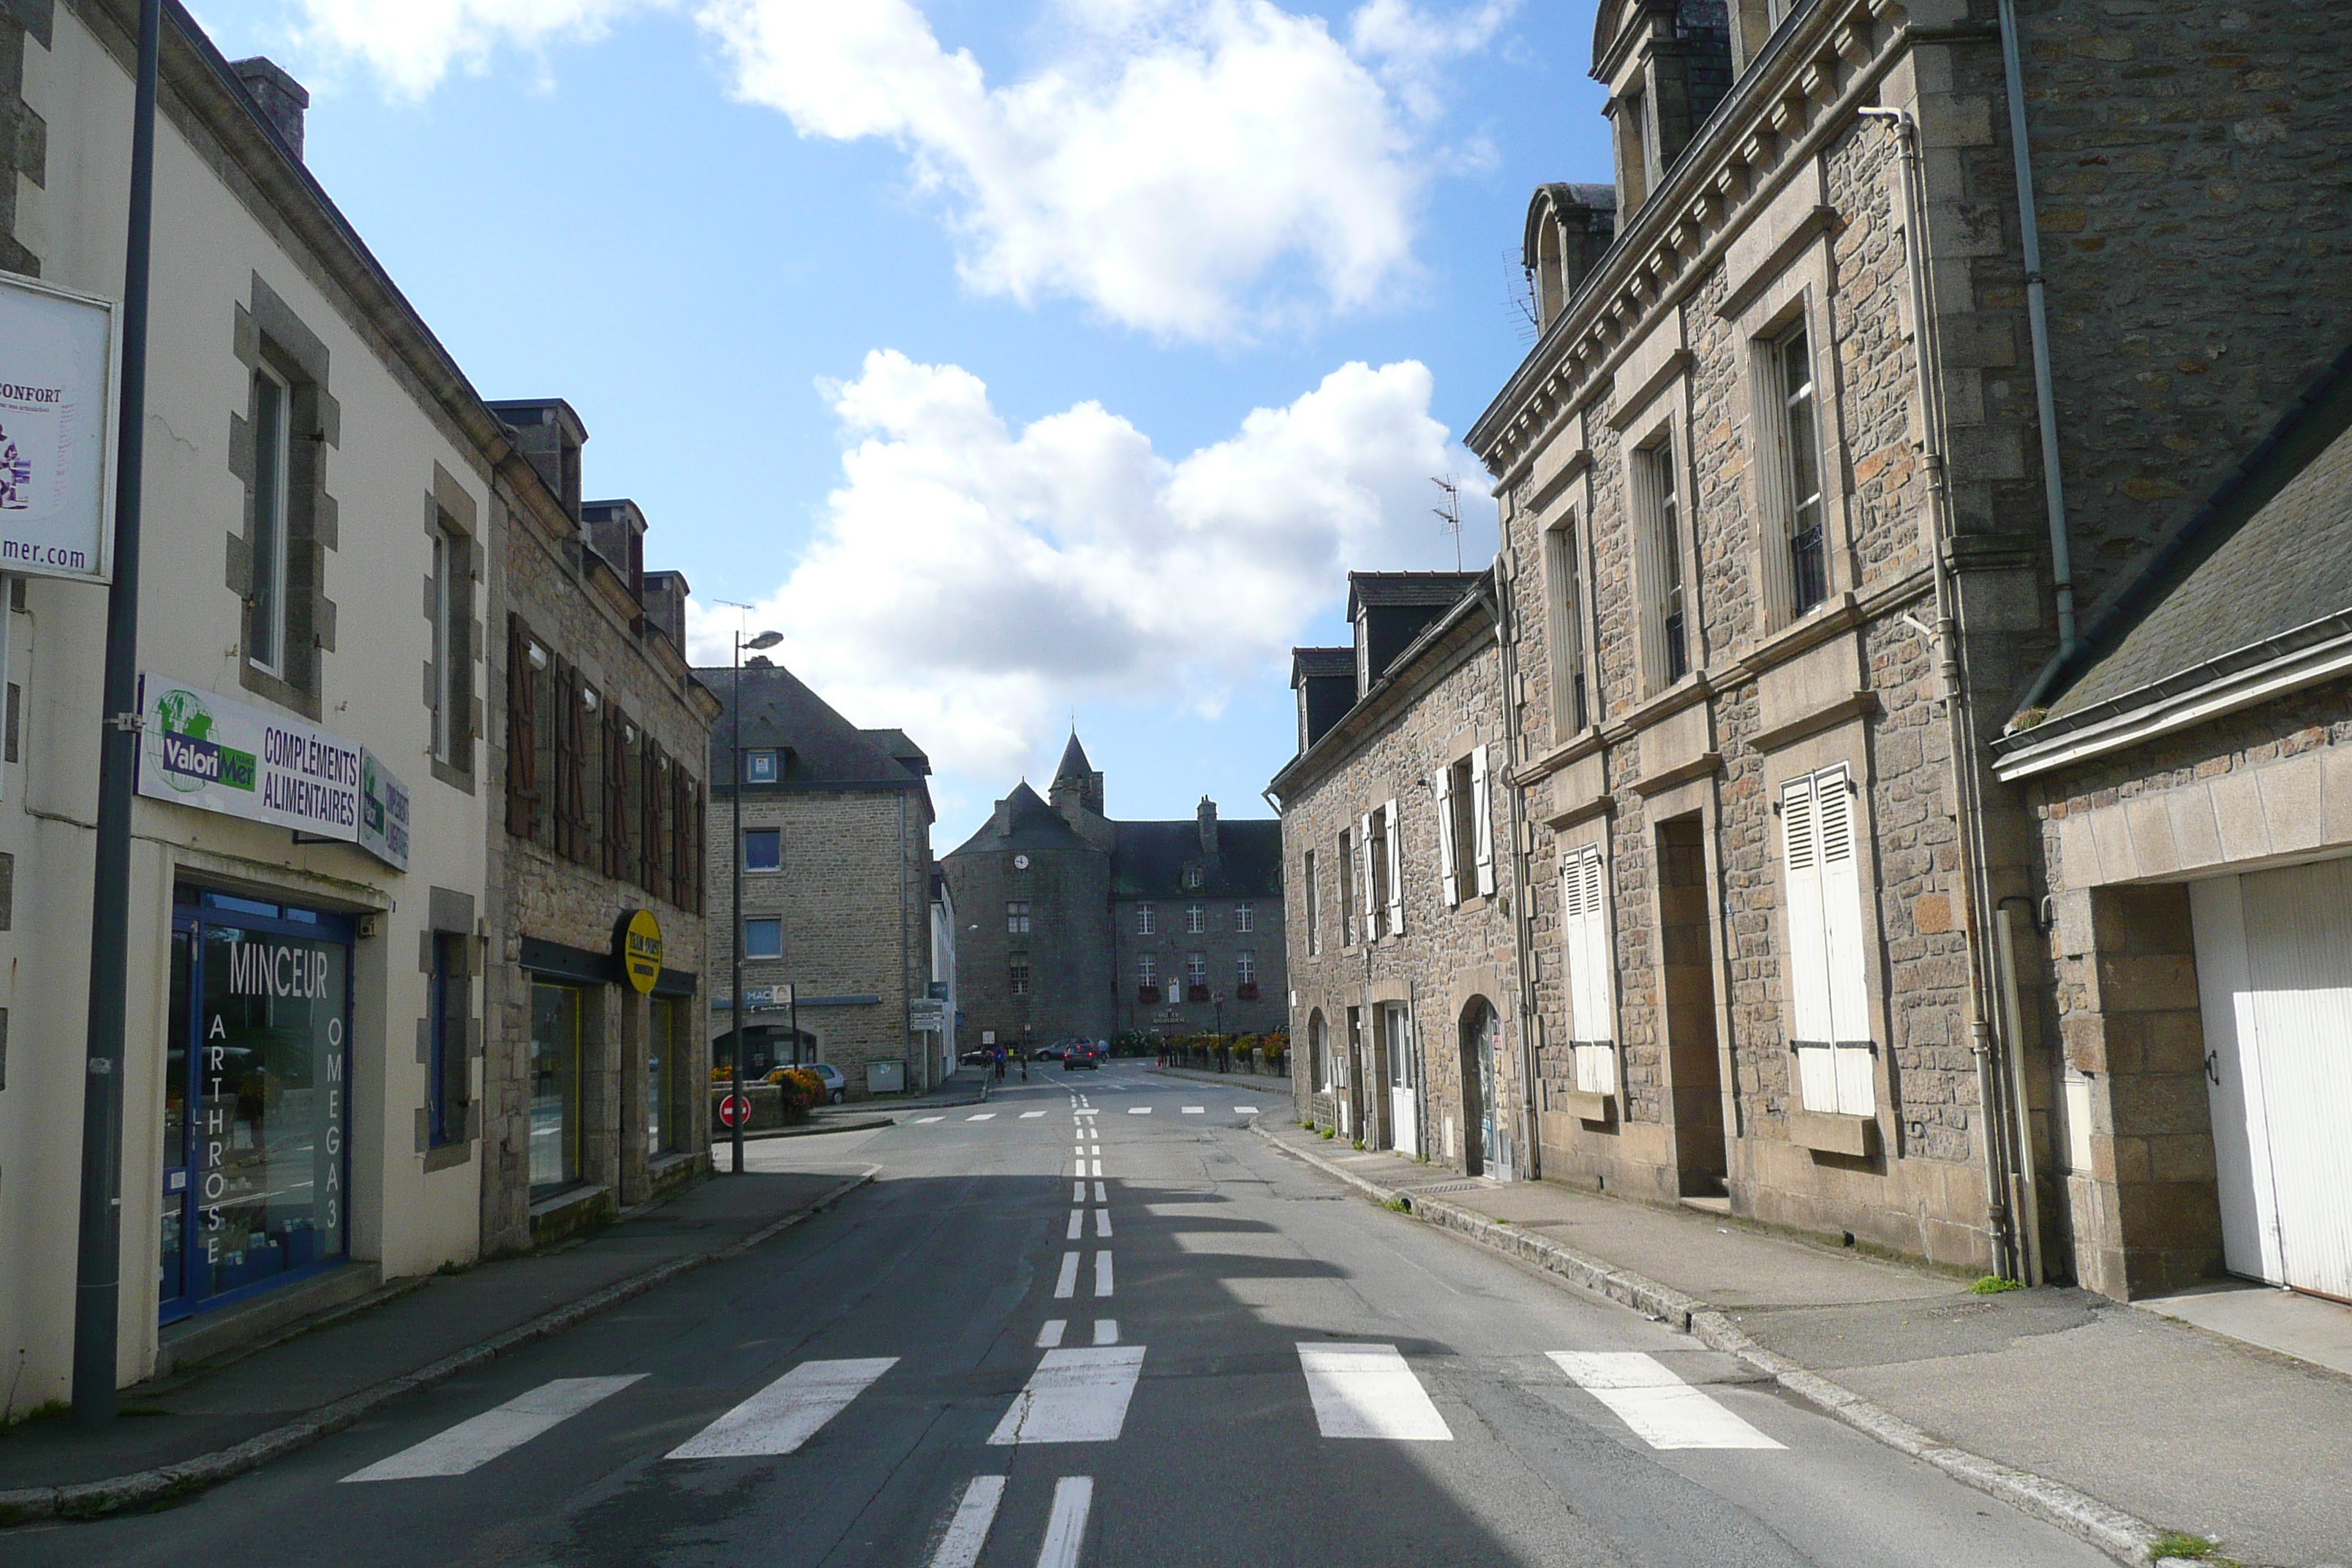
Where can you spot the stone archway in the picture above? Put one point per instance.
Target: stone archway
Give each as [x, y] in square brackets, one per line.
[1479, 1032]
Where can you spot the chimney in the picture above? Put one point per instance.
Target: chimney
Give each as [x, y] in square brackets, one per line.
[279, 98]
[551, 434]
[1208, 815]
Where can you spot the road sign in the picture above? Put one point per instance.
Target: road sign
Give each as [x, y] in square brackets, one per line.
[734, 1110]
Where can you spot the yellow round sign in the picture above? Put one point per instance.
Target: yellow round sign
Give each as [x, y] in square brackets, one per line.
[641, 951]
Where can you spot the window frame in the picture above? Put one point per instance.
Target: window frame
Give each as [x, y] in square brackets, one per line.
[752, 868]
[271, 495]
[760, 766]
[1017, 917]
[1147, 920]
[1018, 974]
[1244, 917]
[1670, 642]
[1575, 705]
[1196, 920]
[774, 922]
[447, 1005]
[1311, 904]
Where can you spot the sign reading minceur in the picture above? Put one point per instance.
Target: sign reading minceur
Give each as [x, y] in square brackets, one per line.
[58, 369]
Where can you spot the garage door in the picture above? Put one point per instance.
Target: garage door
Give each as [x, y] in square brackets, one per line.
[2274, 978]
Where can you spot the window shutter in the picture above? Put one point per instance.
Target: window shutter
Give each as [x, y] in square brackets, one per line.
[616, 792]
[1396, 869]
[522, 744]
[1806, 971]
[1481, 805]
[1599, 958]
[1364, 870]
[1847, 966]
[1447, 870]
[1573, 917]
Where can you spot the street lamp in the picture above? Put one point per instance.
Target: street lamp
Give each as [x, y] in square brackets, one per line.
[735, 791]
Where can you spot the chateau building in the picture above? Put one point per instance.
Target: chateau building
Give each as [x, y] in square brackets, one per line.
[1885, 404]
[1077, 925]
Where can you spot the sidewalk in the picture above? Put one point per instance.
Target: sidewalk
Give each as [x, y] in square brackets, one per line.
[2178, 1428]
[208, 1421]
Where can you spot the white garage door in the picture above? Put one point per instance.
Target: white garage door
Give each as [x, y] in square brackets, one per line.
[2275, 974]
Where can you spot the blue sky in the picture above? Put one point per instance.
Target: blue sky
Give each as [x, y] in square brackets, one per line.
[1012, 359]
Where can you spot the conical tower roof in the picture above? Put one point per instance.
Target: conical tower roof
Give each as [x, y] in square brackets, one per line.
[1073, 763]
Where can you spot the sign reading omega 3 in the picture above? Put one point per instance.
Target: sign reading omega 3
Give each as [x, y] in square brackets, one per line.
[59, 367]
[637, 950]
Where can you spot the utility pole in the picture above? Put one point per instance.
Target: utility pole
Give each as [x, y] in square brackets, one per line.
[735, 915]
[98, 1275]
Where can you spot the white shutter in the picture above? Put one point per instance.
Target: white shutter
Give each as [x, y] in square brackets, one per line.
[1806, 969]
[1601, 957]
[1396, 869]
[1845, 956]
[1445, 868]
[1591, 978]
[1364, 872]
[1482, 803]
[1571, 927]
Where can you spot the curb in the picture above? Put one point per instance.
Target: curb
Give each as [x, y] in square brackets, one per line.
[767, 1133]
[92, 1500]
[2120, 1535]
[1198, 1075]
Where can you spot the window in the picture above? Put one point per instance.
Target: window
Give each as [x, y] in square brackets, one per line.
[759, 767]
[1563, 580]
[1196, 971]
[764, 938]
[1192, 878]
[1147, 969]
[1348, 874]
[1313, 906]
[448, 1074]
[1383, 889]
[1667, 652]
[451, 719]
[1196, 919]
[265, 635]
[1592, 968]
[1245, 967]
[664, 1055]
[1828, 973]
[1016, 973]
[1632, 152]
[1016, 917]
[1245, 917]
[555, 1119]
[1797, 476]
[1465, 834]
[1147, 920]
[763, 849]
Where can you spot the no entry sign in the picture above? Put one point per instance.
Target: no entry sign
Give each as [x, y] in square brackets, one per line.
[734, 1110]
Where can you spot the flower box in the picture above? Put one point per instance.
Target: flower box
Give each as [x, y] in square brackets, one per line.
[1246, 991]
[1146, 993]
[1196, 993]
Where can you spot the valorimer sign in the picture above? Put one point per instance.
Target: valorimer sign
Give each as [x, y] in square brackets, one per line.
[58, 376]
[198, 748]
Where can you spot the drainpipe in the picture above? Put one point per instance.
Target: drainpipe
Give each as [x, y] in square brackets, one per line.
[1530, 1120]
[1966, 808]
[2037, 320]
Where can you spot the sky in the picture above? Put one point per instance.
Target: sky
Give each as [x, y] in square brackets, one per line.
[1021, 363]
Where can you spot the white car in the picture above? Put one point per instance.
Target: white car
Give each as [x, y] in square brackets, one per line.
[836, 1088]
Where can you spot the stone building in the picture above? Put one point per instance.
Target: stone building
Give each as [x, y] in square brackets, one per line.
[1891, 355]
[837, 905]
[591, 1091]
[1076, 925]
[2192, 776]
[1406, 995]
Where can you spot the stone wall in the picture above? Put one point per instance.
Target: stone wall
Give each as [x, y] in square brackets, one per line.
[1071, 949]
[1171, 943]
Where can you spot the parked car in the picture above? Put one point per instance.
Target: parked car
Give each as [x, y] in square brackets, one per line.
[1084, 1054]
[1054, 1052]
[978, 1056]
[836, 1088]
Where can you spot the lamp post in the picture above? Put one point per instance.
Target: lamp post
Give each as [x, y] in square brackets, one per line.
[735, 919]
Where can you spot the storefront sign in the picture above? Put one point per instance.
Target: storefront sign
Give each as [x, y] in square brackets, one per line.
[637, 950]
[215, 754]
[58, 374]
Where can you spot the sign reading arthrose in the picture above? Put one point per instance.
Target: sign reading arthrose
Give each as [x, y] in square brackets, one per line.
[58, 374]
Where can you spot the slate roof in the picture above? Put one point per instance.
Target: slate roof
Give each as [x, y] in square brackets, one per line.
[2263, 563]
[1308, 662]
[1379, 588]
[827, 752]
[1149, 858]
[1029, 823]
[1073, 763]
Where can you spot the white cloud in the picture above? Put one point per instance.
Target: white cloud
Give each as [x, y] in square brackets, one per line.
[970, 581]
[1196, 169]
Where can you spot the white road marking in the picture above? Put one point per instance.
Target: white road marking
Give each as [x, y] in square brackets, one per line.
[1078, 1225]
[1074, 1397]
[1102, 1224]
[925, 1121]
[470, 1445]
[1138, 1110]
[787, 1413]
[1105, 1330]
[968, 1532]
[1078, 1191]
[983, 1116]
[1050, 1336]
[1081, 1151]
[1367, 1391]
[1025, 1116]
[1196, 1110]
[1245, 1111]
[1066, 1528]
[1097, 1167]
[1099, 1188]
[1067, 1285]
[1102, 1274]
[1662, 1410]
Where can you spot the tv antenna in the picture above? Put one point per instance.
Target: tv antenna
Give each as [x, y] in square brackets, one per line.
[1449, 516]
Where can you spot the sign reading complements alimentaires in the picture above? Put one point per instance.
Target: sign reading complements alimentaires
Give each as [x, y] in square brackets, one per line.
[58, 374]
[215, 754]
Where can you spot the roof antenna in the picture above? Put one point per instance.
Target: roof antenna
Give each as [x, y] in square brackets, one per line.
[1449, 516]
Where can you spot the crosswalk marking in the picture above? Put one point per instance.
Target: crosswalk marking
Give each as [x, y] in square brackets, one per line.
[926, 1120]
[788, 1411]
[1031, 1115]
[1066, 1528]
[1067, 1285]
[470, 1445]
[1196, 1109]
[1367, 1391]
[1102, 1274]
[1245, 1111]
[1050, 1336]
[1074, 1397]
[968, 1532]
[1138, 1110]
[1105, 1330]
[1662, 1410]
[983, 1116]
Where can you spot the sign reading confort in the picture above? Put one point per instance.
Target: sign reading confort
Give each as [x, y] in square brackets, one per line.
[58, 374]
[210, 751]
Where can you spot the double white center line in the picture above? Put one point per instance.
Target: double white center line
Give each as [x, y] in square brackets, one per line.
[1065, 1527]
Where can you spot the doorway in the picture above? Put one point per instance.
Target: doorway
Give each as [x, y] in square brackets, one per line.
[1686, 979]
[1486, 1133]
[1404, 1080]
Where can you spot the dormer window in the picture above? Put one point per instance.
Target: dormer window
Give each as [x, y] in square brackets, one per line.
[1667, 63]
[759, 767]
[1632, 122]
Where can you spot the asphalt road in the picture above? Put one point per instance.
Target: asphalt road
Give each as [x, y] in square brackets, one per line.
[1014, 1350]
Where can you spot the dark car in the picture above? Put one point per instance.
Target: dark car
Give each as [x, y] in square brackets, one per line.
[1083, 1054]
[1056, 1051]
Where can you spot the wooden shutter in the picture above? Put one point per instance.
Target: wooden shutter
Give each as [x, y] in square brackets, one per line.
[649, 808]
[681, 826]
[1846, 967]
[1364, 870]
[1482, 803]
[523, 738]
[1396, 868]
[617, 792]
[565, 784]
[1447, 874]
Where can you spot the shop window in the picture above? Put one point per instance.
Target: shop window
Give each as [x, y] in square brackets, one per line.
[555, 1101]
[1828, 970]
[763, 849]
[764, 938]
[665, 1062]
